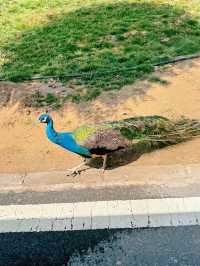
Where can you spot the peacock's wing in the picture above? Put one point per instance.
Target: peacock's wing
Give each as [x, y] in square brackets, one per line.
[100, 138]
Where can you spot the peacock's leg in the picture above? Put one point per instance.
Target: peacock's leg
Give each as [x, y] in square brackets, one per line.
[76, 170]
[104, 162]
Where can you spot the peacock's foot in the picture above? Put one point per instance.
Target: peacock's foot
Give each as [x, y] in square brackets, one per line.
[76, 170]
[73, 172]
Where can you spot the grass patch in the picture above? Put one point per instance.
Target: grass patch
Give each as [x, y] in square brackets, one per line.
[106, 37]
[37, 99]
[156, 79]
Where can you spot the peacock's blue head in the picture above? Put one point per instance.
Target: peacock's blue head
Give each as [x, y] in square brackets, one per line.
[45, 118]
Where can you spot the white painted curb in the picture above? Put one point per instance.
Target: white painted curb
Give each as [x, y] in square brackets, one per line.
[100, 215]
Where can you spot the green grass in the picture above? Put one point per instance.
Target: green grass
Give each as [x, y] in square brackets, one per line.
[37, 99]
[39, 37]
[156, 79]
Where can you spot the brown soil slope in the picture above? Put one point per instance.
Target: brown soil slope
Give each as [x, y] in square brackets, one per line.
[25, 148]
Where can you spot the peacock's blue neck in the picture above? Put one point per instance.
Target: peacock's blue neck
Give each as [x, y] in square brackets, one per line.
[50, 131]
[65, 140]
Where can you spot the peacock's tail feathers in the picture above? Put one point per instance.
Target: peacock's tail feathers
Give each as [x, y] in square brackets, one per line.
[149, 131]
[172, 133]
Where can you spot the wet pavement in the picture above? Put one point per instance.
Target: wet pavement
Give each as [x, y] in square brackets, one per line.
[153, 247]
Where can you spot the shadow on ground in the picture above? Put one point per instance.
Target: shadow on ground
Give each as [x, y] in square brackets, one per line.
[124, 156]
[147, 246]
[24, 249]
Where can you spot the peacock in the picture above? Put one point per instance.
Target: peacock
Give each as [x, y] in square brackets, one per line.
[105, 138]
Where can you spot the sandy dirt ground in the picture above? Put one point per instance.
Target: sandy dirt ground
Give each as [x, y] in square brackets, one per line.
[25, 148]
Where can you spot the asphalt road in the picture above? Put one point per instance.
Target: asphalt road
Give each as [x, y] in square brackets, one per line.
[99, 194]
[140, 247]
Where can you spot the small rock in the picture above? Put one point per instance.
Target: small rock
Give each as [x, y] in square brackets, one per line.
[28, 112]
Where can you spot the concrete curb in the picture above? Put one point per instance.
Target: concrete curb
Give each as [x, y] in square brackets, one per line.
[179, 175]
[100, 215]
